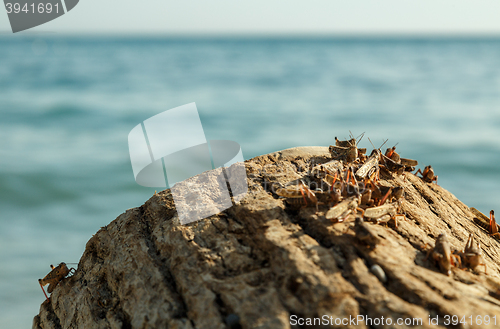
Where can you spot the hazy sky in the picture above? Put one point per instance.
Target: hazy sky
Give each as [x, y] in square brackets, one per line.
[277, 17]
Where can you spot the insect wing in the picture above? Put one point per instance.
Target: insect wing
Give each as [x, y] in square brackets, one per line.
[479, 215]
[409, 162]
[51, 275]
[338, 150]
[480, 219]
[289, 190]
[367, 168]
[332, 166]
[392, 166]
[375, 212]
[337, 210]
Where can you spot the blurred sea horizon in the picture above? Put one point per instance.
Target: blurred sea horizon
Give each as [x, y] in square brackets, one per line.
[67, 105]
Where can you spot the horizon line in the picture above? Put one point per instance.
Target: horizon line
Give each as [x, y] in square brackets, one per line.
[166, 35]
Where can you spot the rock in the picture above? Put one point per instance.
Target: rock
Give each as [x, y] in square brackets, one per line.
[260, 264]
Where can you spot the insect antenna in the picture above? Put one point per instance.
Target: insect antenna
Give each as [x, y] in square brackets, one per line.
[360, 138]
[371, 143]
[383, 144]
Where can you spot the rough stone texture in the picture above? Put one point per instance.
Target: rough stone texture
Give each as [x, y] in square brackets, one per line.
[257, 263]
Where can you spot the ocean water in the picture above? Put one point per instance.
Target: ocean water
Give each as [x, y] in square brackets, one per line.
[68, 104]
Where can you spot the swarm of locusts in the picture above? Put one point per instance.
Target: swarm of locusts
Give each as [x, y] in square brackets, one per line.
[349, 187]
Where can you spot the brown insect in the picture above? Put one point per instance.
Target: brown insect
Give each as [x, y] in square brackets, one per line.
[330, 168]
[298, 194]
[346, 150]
[488, 224]
[493, 228]
[380, 193]
[369, 167]
[409, 164]
[345, 143]
[428, 174]
[343, 209]
[385, 213]
[326, 176]
[441, 253]
[54, 277]
[391, 154]
[349, 154]
[472, 255]
[392, 166]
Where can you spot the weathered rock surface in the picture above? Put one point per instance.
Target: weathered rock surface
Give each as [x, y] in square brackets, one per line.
[258, 263]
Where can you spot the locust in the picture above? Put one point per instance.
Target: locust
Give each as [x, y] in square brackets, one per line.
[381, 193]
[298, 194]
[343, 209]
[331, 195]
[493, 228]
[368, 168]
[329, 168]
[349, 154]
[428, 174]
[392, 154]
[352, 141]
[441, 253]
[397, 193]
[346, 150]
[383, 214]
[393, 166]
[472, 255]
[489, 224]
[54, 277]
[409, 164]
[327, 174]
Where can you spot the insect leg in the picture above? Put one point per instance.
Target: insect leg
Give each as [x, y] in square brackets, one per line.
[43, 290]
[385, 197]
[334, 180]
[302, 192]
[492, 229]
[362, 211]
[484, 267]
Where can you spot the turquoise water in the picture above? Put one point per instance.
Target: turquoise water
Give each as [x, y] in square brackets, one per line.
[68, 104]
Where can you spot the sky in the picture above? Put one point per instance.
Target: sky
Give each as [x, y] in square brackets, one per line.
[275, 17]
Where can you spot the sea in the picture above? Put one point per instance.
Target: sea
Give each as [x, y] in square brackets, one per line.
[68, 103]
